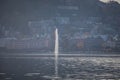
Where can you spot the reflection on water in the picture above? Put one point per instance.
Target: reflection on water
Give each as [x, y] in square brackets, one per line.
[70, 68]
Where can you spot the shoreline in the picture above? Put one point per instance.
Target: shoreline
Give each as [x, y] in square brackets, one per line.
[61, 54]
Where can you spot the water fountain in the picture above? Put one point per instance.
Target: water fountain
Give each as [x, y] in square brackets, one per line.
[56, 53]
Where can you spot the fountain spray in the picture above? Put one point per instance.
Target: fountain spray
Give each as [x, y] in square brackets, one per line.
[56, 52]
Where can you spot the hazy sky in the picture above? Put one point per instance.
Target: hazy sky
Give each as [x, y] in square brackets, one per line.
[109, 0]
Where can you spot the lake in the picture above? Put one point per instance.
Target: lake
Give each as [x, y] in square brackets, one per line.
[37, 67]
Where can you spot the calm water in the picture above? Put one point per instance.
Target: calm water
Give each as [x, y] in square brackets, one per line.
[70, 68]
